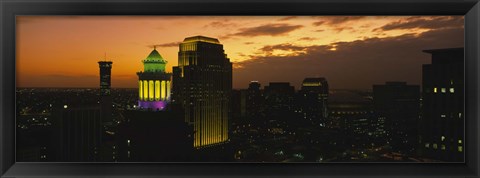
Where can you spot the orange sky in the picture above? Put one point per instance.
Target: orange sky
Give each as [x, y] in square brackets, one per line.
[62, 51]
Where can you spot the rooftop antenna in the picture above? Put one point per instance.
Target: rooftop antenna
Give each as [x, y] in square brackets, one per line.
[154, 47]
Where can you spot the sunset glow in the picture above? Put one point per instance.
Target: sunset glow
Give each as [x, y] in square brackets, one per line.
[62, 51]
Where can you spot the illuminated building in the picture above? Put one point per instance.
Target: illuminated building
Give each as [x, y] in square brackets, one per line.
[313, 100]
[105, 93]
[202, 85]
[399, 104]
[443, 116]
[153, 83]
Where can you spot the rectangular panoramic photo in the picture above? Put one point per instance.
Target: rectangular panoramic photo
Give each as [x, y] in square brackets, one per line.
[248, 89]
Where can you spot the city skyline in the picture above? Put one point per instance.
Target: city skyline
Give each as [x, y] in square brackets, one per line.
[266, 49]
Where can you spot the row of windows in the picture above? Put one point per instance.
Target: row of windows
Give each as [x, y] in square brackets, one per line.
[153, 90]
[443, 90]
[443, 147]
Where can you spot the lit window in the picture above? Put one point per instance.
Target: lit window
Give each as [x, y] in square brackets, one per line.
[435, 90]
[459, 141]
[459, 115]
[443, 116]
[443, 147]
[427, 145]
[460, 148]
[435, 146]
[443, 138]
[444, 90]
[64, 106]
[452, 90]
[451, 82]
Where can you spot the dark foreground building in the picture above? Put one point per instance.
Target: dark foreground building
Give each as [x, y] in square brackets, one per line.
[399, 104]
[443, 117]
[313, 100]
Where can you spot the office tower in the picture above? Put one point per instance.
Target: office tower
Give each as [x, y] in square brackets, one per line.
[313, 101]
[254, 101]
[442, 124]
[399, 104]
[155, 130]
[202, 84]
[239, 104]
[279, 102]
[77, 133]
[105, 93]
[352, 112]
[153, 83]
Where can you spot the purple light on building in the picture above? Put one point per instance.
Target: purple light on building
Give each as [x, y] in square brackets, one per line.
[154, 105]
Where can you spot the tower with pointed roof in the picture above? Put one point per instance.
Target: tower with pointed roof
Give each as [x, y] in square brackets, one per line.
[153, 83]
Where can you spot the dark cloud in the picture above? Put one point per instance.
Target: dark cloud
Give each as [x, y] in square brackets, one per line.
[307, 39]
[282, 47]
[249, 43]
[221, 24]
[353, 65]
[287, 18]
[336, 20]
[166, 45]
[424, 23]
[266, 30]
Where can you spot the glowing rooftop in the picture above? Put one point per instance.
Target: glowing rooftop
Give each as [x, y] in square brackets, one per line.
[201, 39]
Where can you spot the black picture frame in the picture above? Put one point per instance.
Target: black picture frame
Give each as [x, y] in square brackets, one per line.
[11, 8]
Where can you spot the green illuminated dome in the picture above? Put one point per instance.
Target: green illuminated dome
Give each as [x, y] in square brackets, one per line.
[154, 62]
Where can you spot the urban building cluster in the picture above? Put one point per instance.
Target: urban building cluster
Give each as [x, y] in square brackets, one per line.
[193, 114]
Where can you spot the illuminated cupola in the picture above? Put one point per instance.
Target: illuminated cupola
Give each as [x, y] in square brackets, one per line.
[154, 83]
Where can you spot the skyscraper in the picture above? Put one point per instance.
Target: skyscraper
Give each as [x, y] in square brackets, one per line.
[155, 130]
[254, 101]
[313, 100]
[153, 83]
[105, 93]
[202, 84]
[442, 124]
[399, 104]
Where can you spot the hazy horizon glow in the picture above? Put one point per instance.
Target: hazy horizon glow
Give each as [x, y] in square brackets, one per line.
[352, 52]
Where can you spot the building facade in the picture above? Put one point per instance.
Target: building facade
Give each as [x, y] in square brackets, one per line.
[443, 118]
[399, 104]
[202, 85]
[154, 83]
[313, 100]
[105, 90]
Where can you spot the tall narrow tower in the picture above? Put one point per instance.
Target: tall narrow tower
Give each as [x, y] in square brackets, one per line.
[153, 83]
[105, 85]
[202, 84]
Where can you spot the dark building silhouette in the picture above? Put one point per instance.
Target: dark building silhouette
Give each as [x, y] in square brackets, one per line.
[155, 130]
[153, 83]
[105, 90]
[280, 106]
[312, 100]
[202, 85]
[353, 113]
[399, 104]
[77, 133]
[239, 104]
[254, 101]
[442, 124]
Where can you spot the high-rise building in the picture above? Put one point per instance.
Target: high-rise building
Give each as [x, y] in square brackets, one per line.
[280, 105]
[443, 117]
[254, 101]
[105, 90]
[399, 104]
[313, 100]
[202, 85]
[153, 83]
[155, 130]
[77, 133]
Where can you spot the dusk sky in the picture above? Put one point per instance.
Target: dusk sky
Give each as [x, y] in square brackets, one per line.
[352, 52]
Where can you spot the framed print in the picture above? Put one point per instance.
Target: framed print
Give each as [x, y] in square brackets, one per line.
[305, 88]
